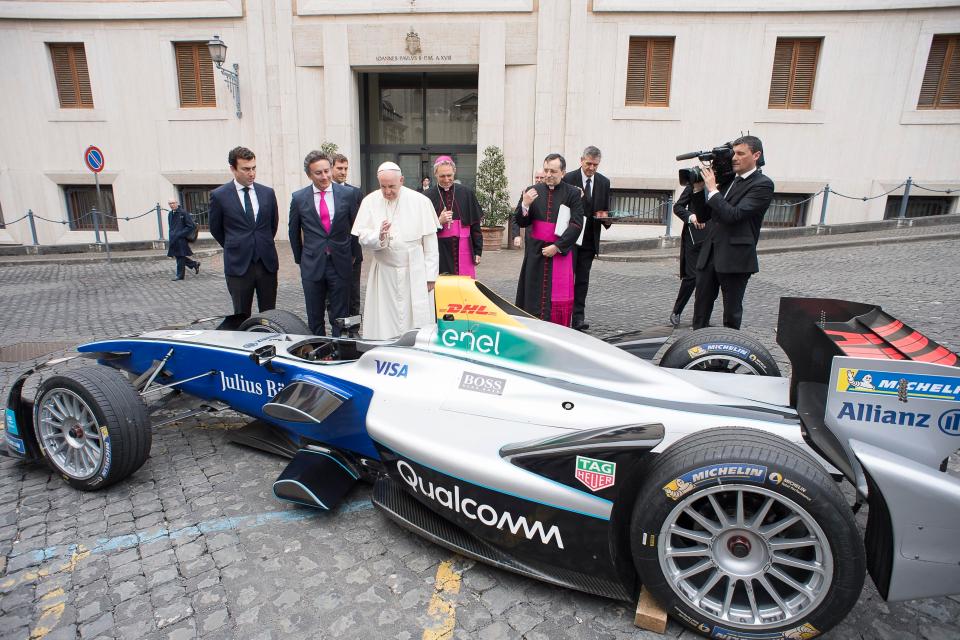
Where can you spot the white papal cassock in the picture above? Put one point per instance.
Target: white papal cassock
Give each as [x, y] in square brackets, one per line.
[397, 299]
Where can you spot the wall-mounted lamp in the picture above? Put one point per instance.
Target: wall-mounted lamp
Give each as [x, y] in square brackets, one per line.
[218, 53]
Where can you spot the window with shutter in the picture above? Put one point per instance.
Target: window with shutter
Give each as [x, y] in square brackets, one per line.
[941, 78]
[195, 74]
[71, 75]
[794, 73]
[649, 65]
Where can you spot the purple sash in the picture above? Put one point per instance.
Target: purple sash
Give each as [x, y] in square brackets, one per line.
[465, 253]
[561, 283]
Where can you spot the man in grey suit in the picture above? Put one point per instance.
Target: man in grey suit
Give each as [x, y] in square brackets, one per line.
[321, 217]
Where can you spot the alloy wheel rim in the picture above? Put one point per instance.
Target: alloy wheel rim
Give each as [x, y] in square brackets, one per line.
[723, 364]
[745, 556]
[68, 430]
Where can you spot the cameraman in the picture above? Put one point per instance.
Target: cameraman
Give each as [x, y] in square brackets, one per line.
[729, 254]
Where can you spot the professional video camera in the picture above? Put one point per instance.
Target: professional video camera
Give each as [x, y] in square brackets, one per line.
[720, 159]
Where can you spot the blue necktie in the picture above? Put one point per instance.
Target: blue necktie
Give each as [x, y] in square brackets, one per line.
[248, 203]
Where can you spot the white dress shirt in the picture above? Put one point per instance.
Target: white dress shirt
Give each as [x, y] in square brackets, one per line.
[328, 196]
[253, 198]
[710, 194]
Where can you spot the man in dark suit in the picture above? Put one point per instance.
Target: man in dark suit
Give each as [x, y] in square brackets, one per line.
[341, 167]
[596, 205]
[321, 217]
[181, 226]
[244, 220]
[729, 254]
[692, 236]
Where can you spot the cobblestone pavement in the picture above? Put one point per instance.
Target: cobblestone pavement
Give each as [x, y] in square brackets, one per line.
[195, 545]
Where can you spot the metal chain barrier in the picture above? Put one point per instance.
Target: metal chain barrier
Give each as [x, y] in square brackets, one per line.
[865, 198]
[632, 216]
[793, 204]
[935, 190]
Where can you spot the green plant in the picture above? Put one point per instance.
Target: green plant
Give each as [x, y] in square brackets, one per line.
[492, 188]
[329, 148]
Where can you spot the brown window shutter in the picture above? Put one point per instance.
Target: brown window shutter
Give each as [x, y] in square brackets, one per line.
[71, 75]
[941, 78]
[195, 75]
[208, 93]
[780, 80]
[794, 73]
[649, 69]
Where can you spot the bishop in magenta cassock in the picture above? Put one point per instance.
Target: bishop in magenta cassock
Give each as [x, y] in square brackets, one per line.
[458, 211]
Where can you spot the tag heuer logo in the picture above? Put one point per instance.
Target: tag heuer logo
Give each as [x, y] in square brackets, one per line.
[596, 474]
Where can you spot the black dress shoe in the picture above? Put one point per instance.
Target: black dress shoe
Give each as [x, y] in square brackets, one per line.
[175, 279]
[583, 326]
[196, 268]
[675, 319]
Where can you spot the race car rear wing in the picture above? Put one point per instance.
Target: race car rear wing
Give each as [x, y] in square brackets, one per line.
[812, 331]
[881, 402]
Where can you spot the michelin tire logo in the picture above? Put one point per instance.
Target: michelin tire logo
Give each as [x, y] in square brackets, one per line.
[734, 471]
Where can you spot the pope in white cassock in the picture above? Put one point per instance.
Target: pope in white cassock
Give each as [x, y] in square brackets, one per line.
[400, 226]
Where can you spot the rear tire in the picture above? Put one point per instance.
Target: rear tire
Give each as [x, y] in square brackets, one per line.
[276, 321]
[720, 350]
[738, 530]
[92, 426]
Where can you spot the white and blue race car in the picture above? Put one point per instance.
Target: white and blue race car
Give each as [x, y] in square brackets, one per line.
[547, 452]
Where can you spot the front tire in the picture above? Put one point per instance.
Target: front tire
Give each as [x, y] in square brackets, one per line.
[720, 350]
[276, 321]
[739, 531]
[92, 427]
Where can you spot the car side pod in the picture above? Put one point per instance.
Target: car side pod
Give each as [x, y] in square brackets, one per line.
[316, 477]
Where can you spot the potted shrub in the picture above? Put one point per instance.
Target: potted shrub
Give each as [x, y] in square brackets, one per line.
[492, 196]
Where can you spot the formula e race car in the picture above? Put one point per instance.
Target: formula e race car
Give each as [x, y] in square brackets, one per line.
[550, 453]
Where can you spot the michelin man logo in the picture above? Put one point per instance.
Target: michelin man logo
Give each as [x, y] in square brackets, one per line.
[678, 488]
[866, 383]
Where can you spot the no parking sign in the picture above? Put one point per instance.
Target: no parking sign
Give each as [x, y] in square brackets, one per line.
[93, 158]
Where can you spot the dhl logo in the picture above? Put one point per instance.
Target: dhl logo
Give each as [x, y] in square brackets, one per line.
[469, 309]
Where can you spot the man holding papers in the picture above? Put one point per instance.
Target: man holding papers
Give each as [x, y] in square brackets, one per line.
[554, 212]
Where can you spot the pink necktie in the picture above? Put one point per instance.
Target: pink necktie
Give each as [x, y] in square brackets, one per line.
[324, 213]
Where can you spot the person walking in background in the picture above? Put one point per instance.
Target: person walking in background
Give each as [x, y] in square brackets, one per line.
[244, 220]
[180, 225]
[321, 217]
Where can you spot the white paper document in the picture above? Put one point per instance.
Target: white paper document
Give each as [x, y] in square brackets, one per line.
[563, 221]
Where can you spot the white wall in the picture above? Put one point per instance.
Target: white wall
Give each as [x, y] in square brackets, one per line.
[551, 76]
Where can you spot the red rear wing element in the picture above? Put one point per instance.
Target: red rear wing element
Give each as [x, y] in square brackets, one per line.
[814, 330]
[879, 335]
